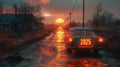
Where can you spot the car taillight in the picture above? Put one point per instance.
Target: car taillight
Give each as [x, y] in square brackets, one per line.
[100, 40]
[70, 39]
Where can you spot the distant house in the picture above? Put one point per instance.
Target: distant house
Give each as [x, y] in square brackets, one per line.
[5, 22]
[18, 23]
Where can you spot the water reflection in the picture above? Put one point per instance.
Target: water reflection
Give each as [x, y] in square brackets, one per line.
[84, 63]
[60, 35]
[60, 59]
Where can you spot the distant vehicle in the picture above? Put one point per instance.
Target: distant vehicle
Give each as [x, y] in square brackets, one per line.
[83, 38]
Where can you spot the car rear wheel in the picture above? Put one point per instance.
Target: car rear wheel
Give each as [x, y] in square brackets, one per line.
[69, 50]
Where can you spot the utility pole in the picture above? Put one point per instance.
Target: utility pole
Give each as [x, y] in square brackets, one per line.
[69, 20]
[83, 25]
[70, 15]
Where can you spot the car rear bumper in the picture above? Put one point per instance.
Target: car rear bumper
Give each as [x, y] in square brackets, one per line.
[87, 48]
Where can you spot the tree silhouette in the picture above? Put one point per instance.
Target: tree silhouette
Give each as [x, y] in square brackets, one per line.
[1, 7]
[101, 18]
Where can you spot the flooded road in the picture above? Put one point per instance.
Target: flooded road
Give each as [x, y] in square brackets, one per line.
[51, 52]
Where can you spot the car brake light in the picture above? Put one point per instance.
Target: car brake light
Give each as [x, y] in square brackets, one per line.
[70, 39]
[100, 40]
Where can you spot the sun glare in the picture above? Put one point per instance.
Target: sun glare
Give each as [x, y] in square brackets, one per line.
[46, 14]
[59, 20]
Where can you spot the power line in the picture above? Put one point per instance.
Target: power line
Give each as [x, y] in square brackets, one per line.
[79, 4]
[75, 4]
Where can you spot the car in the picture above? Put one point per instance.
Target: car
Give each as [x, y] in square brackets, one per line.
[83, 38]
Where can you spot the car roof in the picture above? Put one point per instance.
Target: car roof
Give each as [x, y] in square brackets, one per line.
[81, 28]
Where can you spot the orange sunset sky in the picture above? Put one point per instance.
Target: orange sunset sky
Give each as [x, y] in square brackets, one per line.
[53, 9]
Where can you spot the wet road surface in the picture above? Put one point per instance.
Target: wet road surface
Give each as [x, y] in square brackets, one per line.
[51, 52]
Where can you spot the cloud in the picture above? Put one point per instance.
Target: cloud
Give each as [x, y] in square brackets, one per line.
[37, 2]
[44, 1]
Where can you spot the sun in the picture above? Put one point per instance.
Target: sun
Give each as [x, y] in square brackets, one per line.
[59, 21]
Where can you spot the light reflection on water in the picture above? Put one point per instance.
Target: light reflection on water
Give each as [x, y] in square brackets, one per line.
[69, 63]
[60, 35]
[61, 57]
[50, 57]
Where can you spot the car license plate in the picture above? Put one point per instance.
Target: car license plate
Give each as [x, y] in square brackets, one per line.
[85, 42]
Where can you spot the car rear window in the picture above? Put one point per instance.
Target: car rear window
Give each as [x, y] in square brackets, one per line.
[82, 32]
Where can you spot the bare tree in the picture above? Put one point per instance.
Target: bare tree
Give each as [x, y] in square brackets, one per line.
[16, 8]
[96, 16]
[31, 12]
[1, 7]
[101, 18]
[25, 8]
